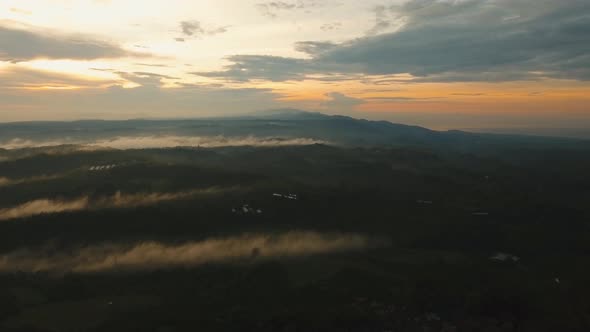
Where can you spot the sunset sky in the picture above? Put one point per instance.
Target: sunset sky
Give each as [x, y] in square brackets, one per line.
[438, 63]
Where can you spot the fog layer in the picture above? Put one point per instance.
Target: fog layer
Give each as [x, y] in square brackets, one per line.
[147, 142]
[118, 200]
[155, 255]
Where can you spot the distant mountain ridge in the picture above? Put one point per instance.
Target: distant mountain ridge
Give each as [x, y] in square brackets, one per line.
[284, 123]
[289, 114]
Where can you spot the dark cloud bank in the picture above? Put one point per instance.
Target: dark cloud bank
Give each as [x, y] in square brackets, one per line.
[27, 43]
[444, 41]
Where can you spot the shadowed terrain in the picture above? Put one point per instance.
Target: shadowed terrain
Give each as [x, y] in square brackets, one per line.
[290, 222]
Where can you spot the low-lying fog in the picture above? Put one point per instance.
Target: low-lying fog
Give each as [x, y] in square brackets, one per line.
[155, 255]
[11, 182]
[146, 142]
[118, 200]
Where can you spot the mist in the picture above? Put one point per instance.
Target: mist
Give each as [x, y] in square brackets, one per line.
[156, 255]
[118, 200]
[154, 142]
[5, 182]
[43, 206]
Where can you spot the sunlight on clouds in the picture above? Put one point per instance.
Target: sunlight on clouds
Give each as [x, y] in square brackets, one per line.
[85, 69]
[375, 45]
[22, 78]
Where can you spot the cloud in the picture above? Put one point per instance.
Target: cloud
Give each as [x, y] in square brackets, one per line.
[251, 67]
[158, 142]
[331, 26]
[402, 99]
[14, 77]
[315, 48]
[149, 75]
[21, 11]
[190, 28]
[110, 100]
[447, 41]
[383, 20]
[341, 103]
[196, 29]
[25, 43]
[159, 65]
[119, 200]
[155, 255]
[245, 68]
[272, 8]
[470, 40]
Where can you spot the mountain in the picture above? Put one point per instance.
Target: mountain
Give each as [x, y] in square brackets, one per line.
[288, 114]
[285, 123]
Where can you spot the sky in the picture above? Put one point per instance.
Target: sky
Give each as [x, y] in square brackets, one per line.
[443, 64]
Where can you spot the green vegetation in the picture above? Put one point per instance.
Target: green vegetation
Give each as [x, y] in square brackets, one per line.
[444, 203]
[436, 274]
